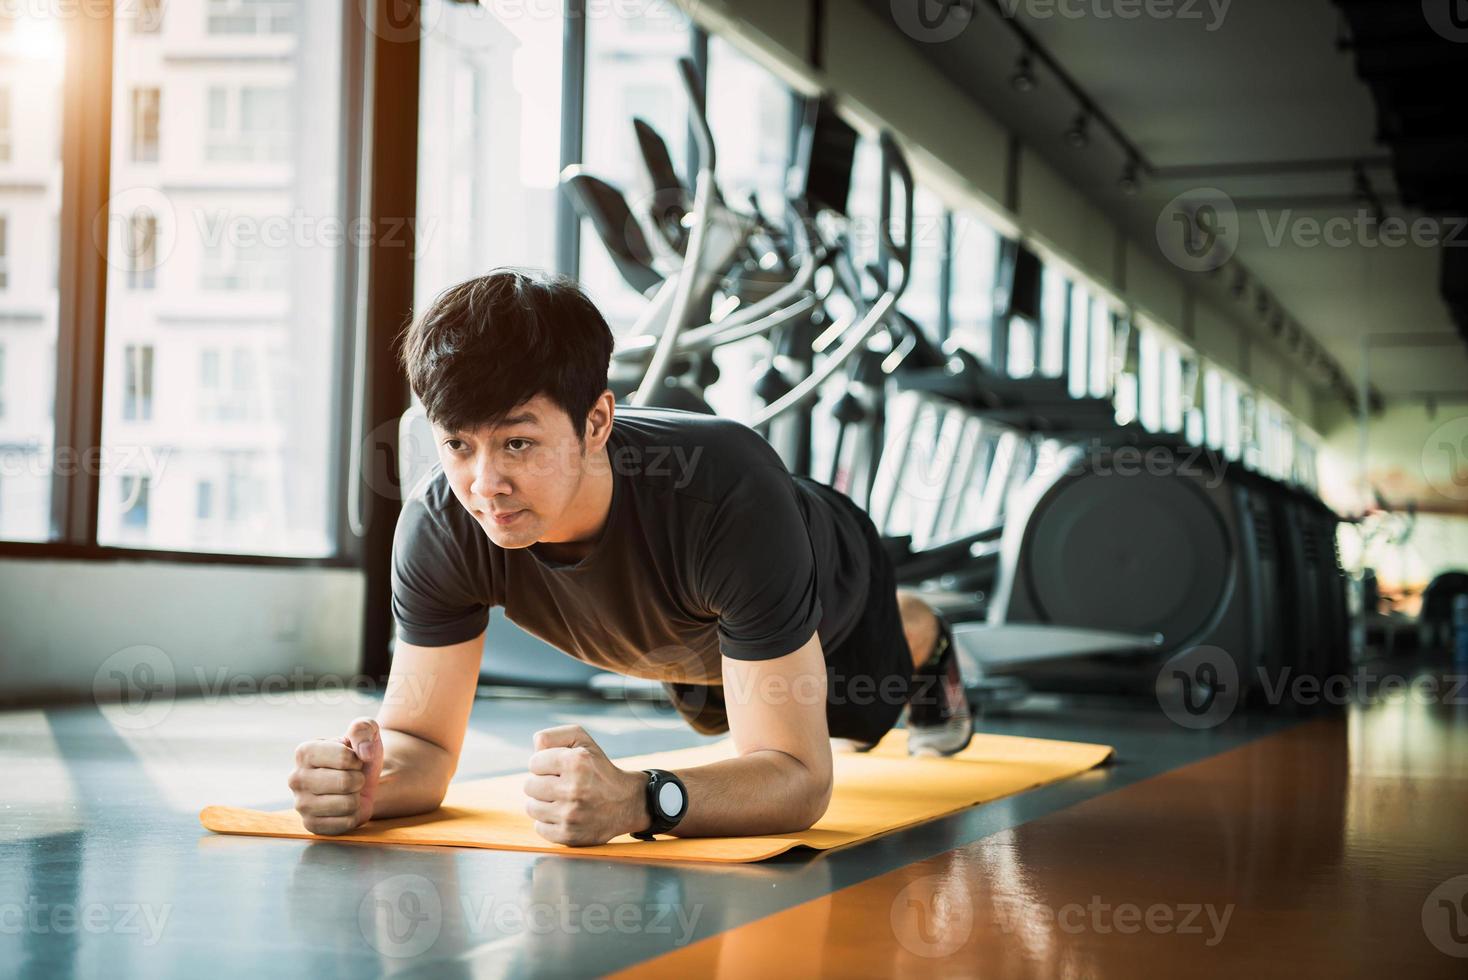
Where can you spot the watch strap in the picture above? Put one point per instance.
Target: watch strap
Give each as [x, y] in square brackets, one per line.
[661, 822]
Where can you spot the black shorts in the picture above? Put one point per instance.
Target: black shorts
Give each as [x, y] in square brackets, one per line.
[868, 675]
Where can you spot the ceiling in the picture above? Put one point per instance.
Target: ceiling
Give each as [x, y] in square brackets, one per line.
[1241, 82]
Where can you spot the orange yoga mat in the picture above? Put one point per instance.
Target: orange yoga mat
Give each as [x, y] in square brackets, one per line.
[875, 793]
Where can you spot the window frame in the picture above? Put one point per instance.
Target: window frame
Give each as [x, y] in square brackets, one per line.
[87, 142]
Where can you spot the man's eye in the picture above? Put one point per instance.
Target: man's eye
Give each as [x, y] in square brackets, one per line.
[510, 444]
[450, 443]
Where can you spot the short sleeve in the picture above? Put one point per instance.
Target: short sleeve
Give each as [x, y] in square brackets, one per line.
[757, 568]
[433, 600]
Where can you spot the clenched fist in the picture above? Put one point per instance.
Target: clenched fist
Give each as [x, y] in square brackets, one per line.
[335, 779]
[576, 795]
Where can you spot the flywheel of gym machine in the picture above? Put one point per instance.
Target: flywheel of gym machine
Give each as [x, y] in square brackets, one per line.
[1137, 553]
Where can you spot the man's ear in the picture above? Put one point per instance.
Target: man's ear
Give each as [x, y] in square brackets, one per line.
[599, 420]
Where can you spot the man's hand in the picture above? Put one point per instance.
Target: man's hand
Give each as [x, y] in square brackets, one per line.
[335, 779]
[576, 796]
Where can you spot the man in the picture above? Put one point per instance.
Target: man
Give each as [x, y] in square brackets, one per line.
[655, 543]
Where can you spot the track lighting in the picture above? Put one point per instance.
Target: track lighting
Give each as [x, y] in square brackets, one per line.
[1023, 78]
[1128, 182]
[1077, 135]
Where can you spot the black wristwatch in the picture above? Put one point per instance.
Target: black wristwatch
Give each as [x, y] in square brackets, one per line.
[667, 801]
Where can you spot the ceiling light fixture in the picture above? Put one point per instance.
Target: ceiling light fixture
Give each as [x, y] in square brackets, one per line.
[1023, 78]
[1129, 182]
[1077, 135]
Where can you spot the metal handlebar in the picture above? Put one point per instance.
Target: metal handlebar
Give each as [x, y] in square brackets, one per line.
[894, 164]
[702, 135]
[784, 304]
[704, 195]
[809, 387]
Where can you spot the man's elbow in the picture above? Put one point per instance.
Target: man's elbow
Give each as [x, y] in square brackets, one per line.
[818, 801]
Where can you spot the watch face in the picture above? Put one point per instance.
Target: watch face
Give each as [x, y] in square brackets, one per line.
[670, 799]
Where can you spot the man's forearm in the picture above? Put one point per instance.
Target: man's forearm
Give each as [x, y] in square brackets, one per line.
[415, 776]
[764, 792]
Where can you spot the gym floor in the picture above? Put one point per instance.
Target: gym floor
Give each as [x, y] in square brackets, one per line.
[1266, 847]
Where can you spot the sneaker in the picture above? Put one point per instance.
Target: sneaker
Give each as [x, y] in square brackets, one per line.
[939, 721]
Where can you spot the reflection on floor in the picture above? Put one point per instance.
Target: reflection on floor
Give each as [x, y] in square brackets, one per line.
[1333, 845]
[1336, 848]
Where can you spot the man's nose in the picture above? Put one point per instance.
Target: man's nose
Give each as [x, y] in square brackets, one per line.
[488, 482]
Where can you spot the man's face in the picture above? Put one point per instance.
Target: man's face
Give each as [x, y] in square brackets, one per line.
[519, 478]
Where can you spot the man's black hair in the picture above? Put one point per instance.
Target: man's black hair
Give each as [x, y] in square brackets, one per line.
[487, 345]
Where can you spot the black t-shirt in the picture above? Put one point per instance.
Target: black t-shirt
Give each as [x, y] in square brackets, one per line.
[710, 547]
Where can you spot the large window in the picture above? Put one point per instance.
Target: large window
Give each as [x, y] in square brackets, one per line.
[753, 112]
[1172, 388]
[865, 203]
[1167, 379]
[632, 53]
[1024, 347]
[923, 297]
[972, 246]
[1125, 363]
[257, 228]
[1250, 450]
[975, 259]
[32, 58]
[1091, 364]
[1079, 334]
[1099, 353]
[1213, 412]
[1220, 396]
[1191, 397]
[489, 143]
[1276, 440]
[1150, 378]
